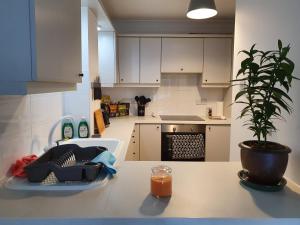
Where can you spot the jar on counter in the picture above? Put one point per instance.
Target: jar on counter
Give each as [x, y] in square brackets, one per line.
[161, 181]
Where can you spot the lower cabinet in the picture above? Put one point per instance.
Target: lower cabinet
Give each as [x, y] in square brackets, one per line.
[217, 143]
[150, 142]
[133, 152]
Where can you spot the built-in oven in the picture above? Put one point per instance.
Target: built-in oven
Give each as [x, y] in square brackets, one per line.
[183, 142]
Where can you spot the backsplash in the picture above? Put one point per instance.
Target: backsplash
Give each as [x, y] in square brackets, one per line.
[25, 122]
[178, 94]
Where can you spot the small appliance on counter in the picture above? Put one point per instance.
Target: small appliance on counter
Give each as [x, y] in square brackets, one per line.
[141, 102]
[216, 112]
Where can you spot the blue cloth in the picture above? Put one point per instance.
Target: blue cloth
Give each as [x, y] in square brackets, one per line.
[108, 160]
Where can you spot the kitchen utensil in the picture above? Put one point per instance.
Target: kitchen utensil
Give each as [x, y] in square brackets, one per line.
[99, 121]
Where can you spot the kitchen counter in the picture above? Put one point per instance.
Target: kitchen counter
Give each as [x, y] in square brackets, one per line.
[204, 192]
[121, 127]
[200, 190]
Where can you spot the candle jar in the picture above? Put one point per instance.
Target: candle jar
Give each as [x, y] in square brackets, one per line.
[161, 181]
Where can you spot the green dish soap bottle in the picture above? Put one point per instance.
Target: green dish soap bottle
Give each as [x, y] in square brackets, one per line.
[83, 129]
[67, 130]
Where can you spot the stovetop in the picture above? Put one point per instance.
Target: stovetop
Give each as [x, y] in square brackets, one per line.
[181, 118]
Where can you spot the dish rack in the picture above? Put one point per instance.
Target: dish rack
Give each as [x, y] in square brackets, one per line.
[65, 163]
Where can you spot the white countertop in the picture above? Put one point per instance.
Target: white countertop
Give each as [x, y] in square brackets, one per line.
[202, 192]
[121, 127]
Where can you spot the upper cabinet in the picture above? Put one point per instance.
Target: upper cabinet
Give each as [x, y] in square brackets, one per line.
[217, 62]
[182, 55]
[41, 45]
[139, 60]
[150, 54]
[142, 59]
[129, 59]
[107, 58]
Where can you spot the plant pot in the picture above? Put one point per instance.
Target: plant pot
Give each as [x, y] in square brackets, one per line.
[265, 164]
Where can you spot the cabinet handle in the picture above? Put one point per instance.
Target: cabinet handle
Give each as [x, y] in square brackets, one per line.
[81, 75]
[132, 136]
[209, 128]
[181, 69]
[133, 153]
[157, 127]
[156, 80]
[205, 80]
[122, 79]
[133, 142]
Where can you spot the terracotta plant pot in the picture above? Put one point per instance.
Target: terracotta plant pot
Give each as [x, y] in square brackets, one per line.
[265, 164]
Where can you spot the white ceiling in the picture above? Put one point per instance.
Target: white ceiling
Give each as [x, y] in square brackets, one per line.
[160, 9]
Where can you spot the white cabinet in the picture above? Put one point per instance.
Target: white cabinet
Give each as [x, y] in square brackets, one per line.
[150, 54]
[133, 152]
[182, 55]
[129, 59]
[150, 142]
[217, 143]
[107, 58]
[41, 44]
[217, 61]
[139, 60]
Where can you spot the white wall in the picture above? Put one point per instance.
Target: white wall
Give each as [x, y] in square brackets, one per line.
[25, 122]
[263, 22]
[178, 94]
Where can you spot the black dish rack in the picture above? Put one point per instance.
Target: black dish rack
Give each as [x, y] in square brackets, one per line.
[65, 163]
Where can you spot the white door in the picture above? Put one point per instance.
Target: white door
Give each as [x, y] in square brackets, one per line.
[217, 143]
[107, 57]
[182, 55]
[217, 60]
[57, 48]
[129, 59]
[150, 142]
[150, 58]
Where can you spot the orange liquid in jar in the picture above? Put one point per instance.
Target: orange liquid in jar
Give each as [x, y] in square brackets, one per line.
[161, 186]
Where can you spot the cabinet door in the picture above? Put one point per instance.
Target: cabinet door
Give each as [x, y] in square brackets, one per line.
[217, 143]
[182, 55]
[150, 57]
[133, 152]
[107, 57]
[15, 53]
[57, 49]
[150, 142]
[217, 60]
[129, 59]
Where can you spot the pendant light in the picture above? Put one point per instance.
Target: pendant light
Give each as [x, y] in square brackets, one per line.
[201, 9]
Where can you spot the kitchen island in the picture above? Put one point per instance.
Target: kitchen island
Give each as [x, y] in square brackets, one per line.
[203, 193]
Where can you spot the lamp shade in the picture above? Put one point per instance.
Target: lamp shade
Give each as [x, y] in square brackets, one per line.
[201, 9]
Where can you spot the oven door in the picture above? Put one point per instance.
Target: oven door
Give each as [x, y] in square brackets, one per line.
[183, 146]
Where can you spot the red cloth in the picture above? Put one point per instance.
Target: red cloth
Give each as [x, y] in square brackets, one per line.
[17, 168]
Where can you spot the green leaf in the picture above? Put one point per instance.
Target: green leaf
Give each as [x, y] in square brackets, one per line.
[279, 44]
[281, 92]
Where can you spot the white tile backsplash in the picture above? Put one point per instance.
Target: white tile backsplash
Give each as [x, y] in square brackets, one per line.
[178, 94]
[25, 122]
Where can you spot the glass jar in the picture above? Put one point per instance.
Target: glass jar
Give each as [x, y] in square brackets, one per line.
[161, 181]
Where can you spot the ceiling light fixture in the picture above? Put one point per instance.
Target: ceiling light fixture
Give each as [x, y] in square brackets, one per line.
[201, 9]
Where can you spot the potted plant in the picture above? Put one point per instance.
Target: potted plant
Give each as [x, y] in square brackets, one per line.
[265, 78]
